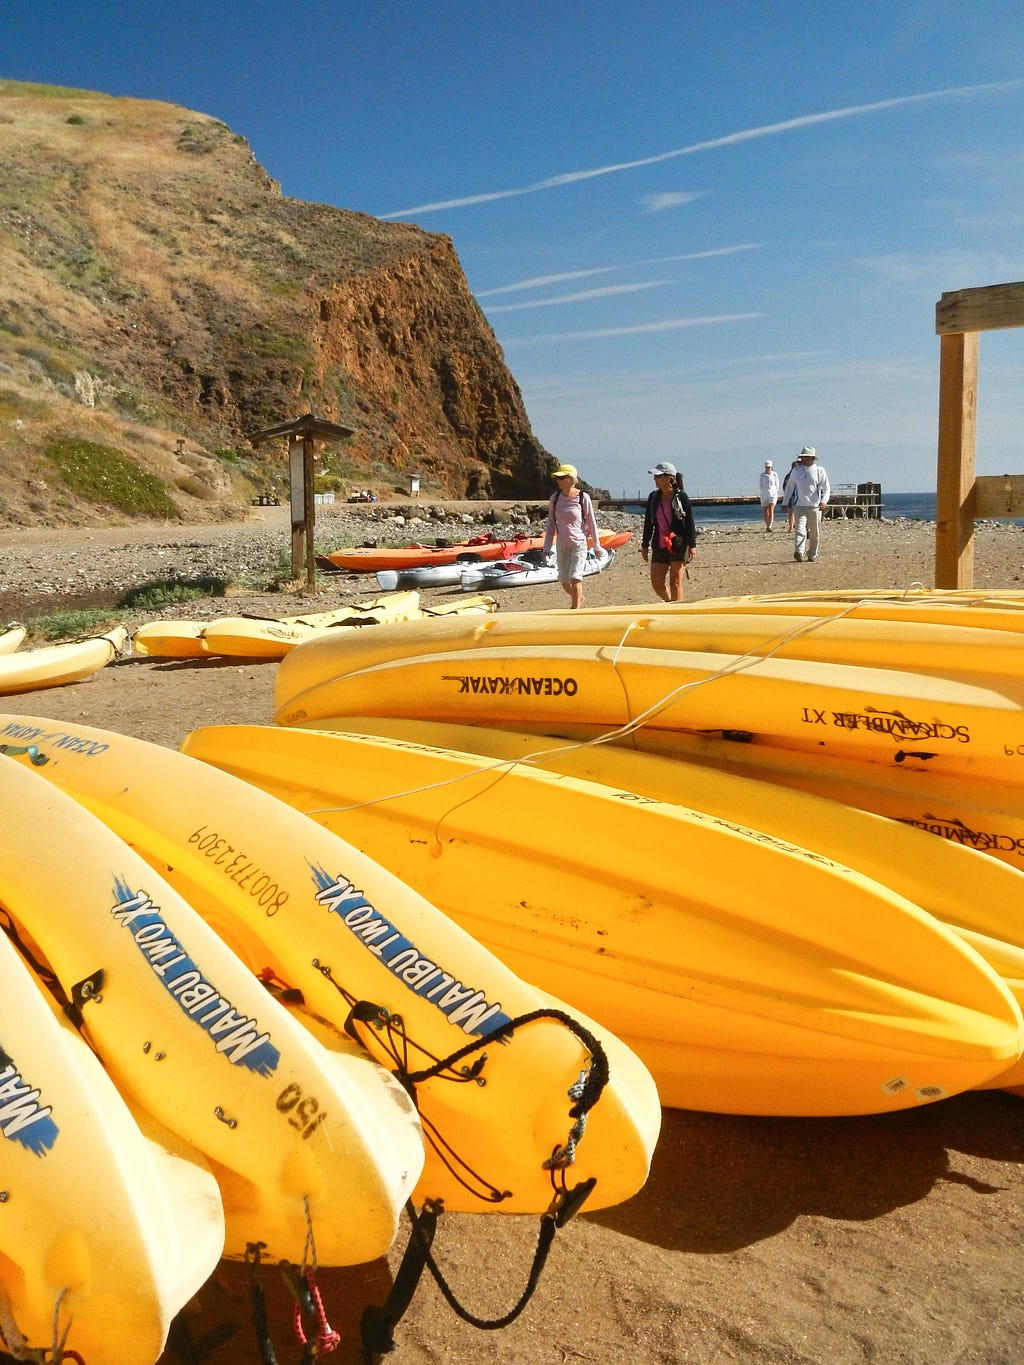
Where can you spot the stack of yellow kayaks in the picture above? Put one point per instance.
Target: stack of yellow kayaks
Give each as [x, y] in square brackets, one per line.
[750, 974]
[109, 1223]
[908, 716]
[298, 903]
[257, 637]
[978, 897]
[54, 665]
[254, 637]
[306, 1140]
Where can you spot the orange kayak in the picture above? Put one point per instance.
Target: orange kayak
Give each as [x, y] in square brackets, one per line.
[370, 558]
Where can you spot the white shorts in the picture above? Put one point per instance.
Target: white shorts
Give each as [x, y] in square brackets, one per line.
[570, 560]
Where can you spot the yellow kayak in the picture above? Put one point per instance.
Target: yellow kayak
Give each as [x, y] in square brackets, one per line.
[704, 944]
[320, 915]
[976, 896]
[307, 1143]
[103, 1221]
[964, 649]
[258, 637]
[55, 665]
[11, 638]
[170, 639]
[882, 715]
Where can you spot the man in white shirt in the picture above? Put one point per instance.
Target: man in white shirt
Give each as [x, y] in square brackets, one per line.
[768, 492]
[809, 484]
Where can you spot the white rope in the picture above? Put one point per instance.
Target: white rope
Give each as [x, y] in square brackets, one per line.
[734, 664]
[502, 766]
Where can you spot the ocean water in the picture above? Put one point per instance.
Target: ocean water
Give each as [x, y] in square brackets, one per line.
[914, 506]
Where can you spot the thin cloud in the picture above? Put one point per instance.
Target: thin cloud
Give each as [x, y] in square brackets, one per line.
[668, 325]
[941, 271]
[581, 296]
[658, 203]
[731, 139]
[542, 281]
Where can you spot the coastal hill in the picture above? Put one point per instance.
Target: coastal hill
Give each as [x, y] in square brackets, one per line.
[161, 301]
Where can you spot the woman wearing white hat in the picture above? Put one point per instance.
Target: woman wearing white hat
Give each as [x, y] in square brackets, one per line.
[670, 536]
[768, 492]
[571, 523]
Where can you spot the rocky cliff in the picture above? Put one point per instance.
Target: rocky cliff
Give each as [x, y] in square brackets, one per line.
[161, 298]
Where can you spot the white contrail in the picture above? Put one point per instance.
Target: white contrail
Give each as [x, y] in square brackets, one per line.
[542, 281]
[580, 296]
[746, 135]
[668, 325]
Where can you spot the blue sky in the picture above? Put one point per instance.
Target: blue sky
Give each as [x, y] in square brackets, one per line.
[707, 233]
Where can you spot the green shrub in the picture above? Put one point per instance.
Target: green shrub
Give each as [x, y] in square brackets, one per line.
[71, 624]
[108, 477]
[155, 596]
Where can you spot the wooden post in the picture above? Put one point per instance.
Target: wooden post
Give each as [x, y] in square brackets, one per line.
[954, 498]
[308, 512]
[302, 433]
[297, 500]
[959, 316]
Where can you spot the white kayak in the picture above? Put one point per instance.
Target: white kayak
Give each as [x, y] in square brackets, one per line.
[523, 570]
[427, 575]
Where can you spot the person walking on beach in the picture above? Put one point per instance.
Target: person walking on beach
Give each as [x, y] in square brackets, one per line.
[768, 492]
[811, 492]
[571, 523]
[788, 494]
[670, 535]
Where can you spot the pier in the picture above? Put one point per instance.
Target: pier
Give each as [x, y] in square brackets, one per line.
[848, 500]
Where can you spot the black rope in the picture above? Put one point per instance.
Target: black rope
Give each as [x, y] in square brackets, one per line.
[397, 1043]
[259, 1304]
[545, 1237]
[378, 1323]
[597, 1076]
[42, 969]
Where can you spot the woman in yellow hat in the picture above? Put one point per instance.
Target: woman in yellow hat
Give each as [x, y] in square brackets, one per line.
[571, 524]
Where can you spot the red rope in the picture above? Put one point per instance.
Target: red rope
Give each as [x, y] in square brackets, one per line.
[327, 1338]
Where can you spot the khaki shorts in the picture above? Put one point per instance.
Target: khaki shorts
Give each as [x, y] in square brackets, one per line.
[570, 560]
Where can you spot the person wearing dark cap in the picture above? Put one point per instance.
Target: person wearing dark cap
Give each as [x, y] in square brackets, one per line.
[768, 493]
[810, 490]
[670, 535]
[788, 494]
[571, 523]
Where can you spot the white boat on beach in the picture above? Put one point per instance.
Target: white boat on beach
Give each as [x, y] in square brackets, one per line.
[524, 570]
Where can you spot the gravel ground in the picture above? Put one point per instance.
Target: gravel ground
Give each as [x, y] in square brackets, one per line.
[44, 570]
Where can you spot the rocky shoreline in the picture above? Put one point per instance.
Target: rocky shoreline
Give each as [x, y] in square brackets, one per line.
[48, 570]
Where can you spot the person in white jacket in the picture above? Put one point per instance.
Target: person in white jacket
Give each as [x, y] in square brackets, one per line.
[768, 492]
[808, 484]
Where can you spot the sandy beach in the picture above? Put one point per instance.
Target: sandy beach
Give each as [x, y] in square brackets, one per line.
[878, 1239]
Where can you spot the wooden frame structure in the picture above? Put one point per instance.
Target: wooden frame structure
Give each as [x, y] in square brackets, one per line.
[962, 496]
[301, 433]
